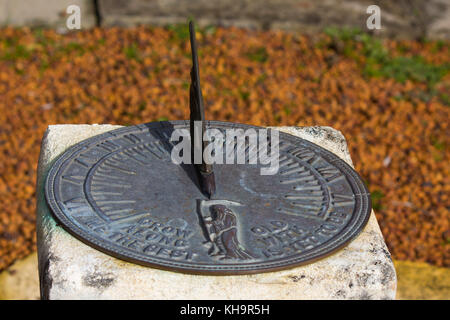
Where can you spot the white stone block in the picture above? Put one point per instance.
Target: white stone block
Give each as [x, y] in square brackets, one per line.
[70, 269]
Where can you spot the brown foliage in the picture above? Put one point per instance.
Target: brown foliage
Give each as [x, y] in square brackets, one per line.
[398, 141]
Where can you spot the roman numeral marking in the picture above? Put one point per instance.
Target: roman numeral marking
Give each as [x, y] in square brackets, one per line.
[303, 154]
[85, 160]
[76, 180]
[342, 200]
[108, 146]
[330, 173]
[132, 138]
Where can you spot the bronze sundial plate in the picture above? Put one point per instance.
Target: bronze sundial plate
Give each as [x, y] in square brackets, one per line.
[121, 193]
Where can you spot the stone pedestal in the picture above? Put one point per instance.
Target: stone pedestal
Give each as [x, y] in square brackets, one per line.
[70, 269]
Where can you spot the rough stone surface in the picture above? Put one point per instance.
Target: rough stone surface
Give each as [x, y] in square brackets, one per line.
[69, 269]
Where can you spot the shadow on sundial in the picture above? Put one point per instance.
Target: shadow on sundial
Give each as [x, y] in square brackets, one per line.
[164, 137]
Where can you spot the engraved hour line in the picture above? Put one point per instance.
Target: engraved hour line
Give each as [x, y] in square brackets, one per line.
[313, 203]
[127, 219]
[165, 135]
[77, 180]
[291, 171]
[152, 150]
[77, 206]
[311, 196]
[311, 186]
[304, 196]
[303, 177]
[316, 160]
[74, 203]
[108, 145]
[92, 222]
[161, 136]
[105, 170]
[132, 138]
[113, 164]
[103, 202]
[330, 173]
[86, 164]
[81, 162]
[116, 214]
[286, 162]
[342, 200]
[152, 147]
[106, 176]
[101, 192]
[296, 213]
[100, 177]
[301, 195]
[113, 222]
[97, 185]
[141, 154]
[302, 153]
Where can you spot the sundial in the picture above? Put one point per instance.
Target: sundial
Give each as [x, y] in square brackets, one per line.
[122, 193]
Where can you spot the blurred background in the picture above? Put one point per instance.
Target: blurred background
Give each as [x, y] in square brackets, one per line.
[386, 87]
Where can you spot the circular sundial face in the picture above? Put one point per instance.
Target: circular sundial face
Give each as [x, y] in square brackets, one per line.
[121, 193]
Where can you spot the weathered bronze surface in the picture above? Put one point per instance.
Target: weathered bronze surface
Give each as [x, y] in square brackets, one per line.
[121, 193]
